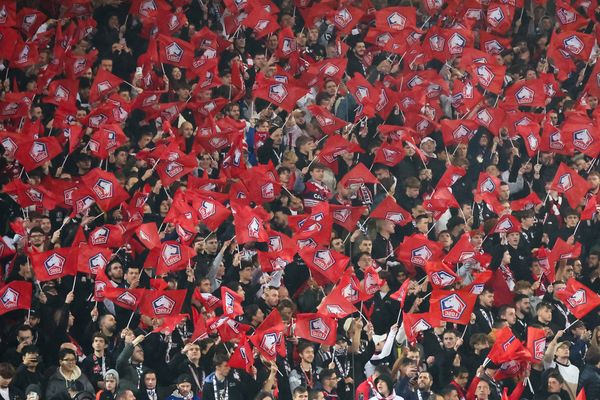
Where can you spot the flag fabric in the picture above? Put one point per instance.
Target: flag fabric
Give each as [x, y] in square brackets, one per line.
[90, 259]
[242, 357]
[505, 347]
[462, 250]
[268, 336]
[15, 295]
[280, 94]
[394, 19]
[52, 264]
[536, 343]
[148, 235]
[400, 294]
[440, 275]
[327, 265]
[390, 154]
[336, 305]
[507, 224]
[578, 298]
[358, 176]
[572, 186]
[249, 225]
[458, 131]
[346, 216]
[104, 84]
[530, 93]
[316, 328]
[415, 323]
[328, 122]
[389, 210]
[174, 51]
[162, 303]
[171, 256]
[200, 329]
[35, 153]
[590, 209]
[416, 250]
[231, 302]
[106, 189]
[452, 306]
[129, 299]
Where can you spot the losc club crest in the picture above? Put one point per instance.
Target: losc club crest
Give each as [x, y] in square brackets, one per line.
[582, 139]
[174, 52]
[461, 132]
[566, 16]
[437, 42]
[442, 278]
[278, 264]
[100, 236]
[173, 169]
[323, 259]
[97, 262]
[288, 46]
[275, 243]
[420, 326]
[539, 348]
[318, 329]
[10, 299]
[485, 75]
[484, 117]
[564, 182]
[54, 264]
[578, 298]
[524, 95]
[62, 93]
[267, 191]
[508, 343]
[163, 305]
[9, 145]
[350, 293]
[171, 254]
[103, 189]
[341, 215]
[456, 43]
[453, 307]
[269, 343]
[504, 226]
[495, 16]
[466, 255]
[420, 255]
[103, 86]
[396, 21]
[394, 217]
[487, 186]
[254, 228]
[533, 141]
[34, 195]
[127, 298]
[382, 39]
[334, 309]
[206, 209]
[278, 92]
[38, 151]
[493, 47]
[342, 18]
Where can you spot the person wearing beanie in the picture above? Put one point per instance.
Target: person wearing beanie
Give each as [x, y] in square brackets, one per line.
[384, 389]
[183, 390]
[111, 385]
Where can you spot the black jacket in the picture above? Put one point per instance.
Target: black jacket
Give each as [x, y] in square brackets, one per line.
[589, 379]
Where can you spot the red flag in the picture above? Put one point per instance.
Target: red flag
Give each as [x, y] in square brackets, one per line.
[34, 153]
[577, 44]
[15, 295]
[106, 189]
[171, 256]
[209, 302]
[279, 94]
[25, 54]
[583, 137]
[175, 51]
[125, 298]
[458, 131]
[242, 357]
[390, 154]
[104, 84]
[174, 168]
[579, 299]
[581, 395]
[568, 17]
[489, 76]
[249, 224]
[260, 22]
[416, 323]
[530, 135]
[488, 183]
[162, 303]
[200, 330]
[336, 305]
[63, 92]
[228, 329]
[358, 176]
[507, 224]
[148, 235]
[400, 294]
[328, 122]
[268, 337]
[327, 265]
[371, 283]
[349, 287]
[570, 184]
[107, 236]
[591, 208]
[440, 275]
[169, 323]
[530, 93]
[52, 264]
[346, 18]
[536, 343]
[210, 212]
[91, 259]
[101, 282]
[526, 203]
[505, 347]
[390, 210]
[478, 284]
[394, 19]
[335, 146]
[416, 250]
[462, 250]
[364, 94]
[452, 306]
[451, 176]
[499, 17]
[231, 302]
[325, 70]
[287, 43]
[8, 13]
[346, 216]
[316, 328]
